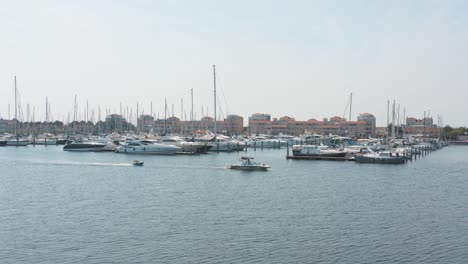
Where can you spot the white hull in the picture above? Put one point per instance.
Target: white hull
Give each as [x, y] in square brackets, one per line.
[222, 147]
[78, 146]
[17, 143]
[158, 149]
[249, 167]
[84, 150]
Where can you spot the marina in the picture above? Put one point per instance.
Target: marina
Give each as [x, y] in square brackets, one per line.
[237, 132]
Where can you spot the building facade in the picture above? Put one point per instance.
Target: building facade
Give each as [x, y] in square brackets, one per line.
[370, 123]
[262, 124]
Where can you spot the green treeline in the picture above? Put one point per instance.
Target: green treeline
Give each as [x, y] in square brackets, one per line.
[453, 133]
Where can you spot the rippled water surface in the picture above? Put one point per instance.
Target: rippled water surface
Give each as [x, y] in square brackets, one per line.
[63, 207]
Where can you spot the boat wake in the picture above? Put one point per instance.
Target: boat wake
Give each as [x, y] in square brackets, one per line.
[70, 163]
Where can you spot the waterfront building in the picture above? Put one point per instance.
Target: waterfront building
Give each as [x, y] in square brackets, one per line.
[234, 124]
[370, 123]
[259, 123]
[262, 124]
[145, 123]
[231, 125]
[115, 122]
[380, 132]
[424, 126]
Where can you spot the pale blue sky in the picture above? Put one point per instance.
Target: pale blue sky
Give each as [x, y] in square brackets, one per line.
[295, 58]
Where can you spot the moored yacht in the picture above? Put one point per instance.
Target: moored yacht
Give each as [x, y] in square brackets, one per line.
[17, 142]
[194, 147]
[138, 147]
[83, 146]
[317, 151]
[384, 157]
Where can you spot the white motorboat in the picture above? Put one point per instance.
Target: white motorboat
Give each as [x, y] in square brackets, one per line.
[249, 165]
[108, 142]
[17, 142]
[138, 147]
[317, 151]
[218, 143]
[185, 146]
[84, 146]
[384, 157]
[138, 163]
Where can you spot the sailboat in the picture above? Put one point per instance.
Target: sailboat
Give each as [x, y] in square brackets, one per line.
[16, 140]
[46, 138]
[219, 143]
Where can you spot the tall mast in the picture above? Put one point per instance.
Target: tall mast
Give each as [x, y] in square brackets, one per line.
[424, 125]
[397, 129]
[172, 120]
[28, 114]
[388, 117]
[87, 112]
[181, 116]
[191, 112]
[47, 112]
[350, 109]
[214, 85]
[404, 121]
[74, 116]
[99, 119]
[137, 119]
[165, 115]
[16, 111]
[393, 120]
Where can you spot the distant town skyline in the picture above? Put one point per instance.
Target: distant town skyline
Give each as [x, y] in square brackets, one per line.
[301, 59]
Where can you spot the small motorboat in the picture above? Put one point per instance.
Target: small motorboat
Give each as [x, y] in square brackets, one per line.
[248, 164]
[138, 163]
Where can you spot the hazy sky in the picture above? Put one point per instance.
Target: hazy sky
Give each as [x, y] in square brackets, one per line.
[295, 58]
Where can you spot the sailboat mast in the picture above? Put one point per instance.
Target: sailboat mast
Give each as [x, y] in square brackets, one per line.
[191, 113]
[47, 113]
[350, 106]
[137, 128]
[393, 121]
[181, 116]
[214, 86]
[404, 121]
[165, 115]
[16, 111]
[388, 117]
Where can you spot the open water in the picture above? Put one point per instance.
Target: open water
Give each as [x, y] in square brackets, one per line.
[64, 207]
